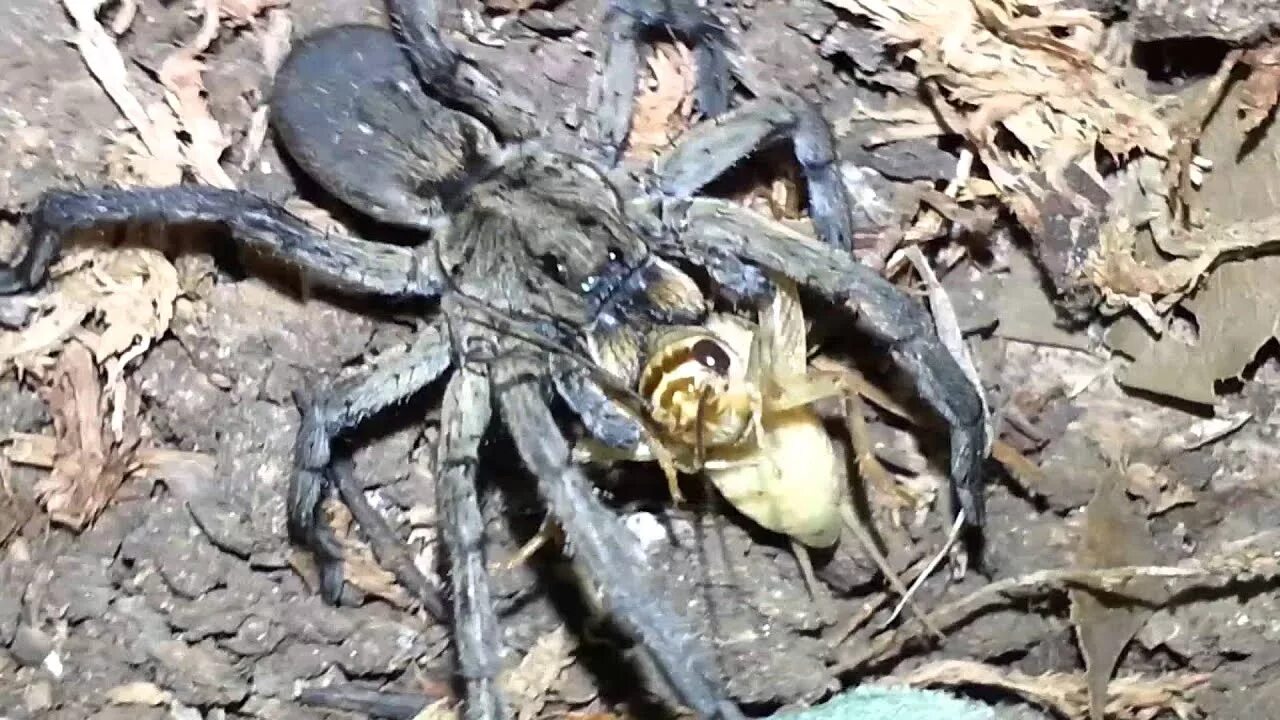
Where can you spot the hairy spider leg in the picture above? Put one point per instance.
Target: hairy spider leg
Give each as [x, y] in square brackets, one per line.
[724, 237]
[391, 552]
[711, 147]
[453, 79]
[341, 409]
[607, 553]
[624, 27]
[603, 419]
[342, 263]
[465, 416]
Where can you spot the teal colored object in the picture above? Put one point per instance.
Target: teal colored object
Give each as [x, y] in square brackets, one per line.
[887, 703]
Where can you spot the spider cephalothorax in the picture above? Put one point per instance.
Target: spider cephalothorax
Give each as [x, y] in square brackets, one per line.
[549, 285]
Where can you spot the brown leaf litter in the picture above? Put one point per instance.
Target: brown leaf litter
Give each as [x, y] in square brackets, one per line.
[1237, 311]
[664, 104]
[1249, 559]
[1128, 698]
[1261, 92]
[1113, 535]
[128, 293]
[1218, 274]
[96, 445]
[528, 684]
[131, 294]
[1030, 69]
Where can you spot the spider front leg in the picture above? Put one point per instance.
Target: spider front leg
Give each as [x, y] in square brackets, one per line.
[608, 555]
[342, 263]
[340, 410]
[731, 241]
[712, 147]
[625, 24]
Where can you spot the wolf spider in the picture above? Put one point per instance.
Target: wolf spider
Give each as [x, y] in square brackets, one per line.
[545, 282]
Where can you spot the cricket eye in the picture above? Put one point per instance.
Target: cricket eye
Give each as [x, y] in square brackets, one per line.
[711, 356]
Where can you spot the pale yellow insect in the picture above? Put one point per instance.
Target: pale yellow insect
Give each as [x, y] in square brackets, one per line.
[732, 401]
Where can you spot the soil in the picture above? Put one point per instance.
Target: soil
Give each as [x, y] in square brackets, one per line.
[194, 587]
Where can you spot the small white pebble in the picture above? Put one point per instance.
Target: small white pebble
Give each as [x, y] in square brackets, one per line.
[53, 664]
[646, 528]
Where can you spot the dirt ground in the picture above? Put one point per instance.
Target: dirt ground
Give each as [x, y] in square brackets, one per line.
[184, 599]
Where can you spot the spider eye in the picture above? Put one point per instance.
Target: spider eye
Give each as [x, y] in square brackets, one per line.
[553, 267]
[711, 356]
[615, 254]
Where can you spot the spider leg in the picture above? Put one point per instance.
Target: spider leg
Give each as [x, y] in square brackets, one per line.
[466, 414]
[391, 552]
[339, 410]
[599, 412]
[453, 78]
[342, 263]
[625, 23]
[608, 554]
[710, 148]
[722, 236]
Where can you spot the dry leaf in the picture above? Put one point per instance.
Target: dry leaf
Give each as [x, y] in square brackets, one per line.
[1032, 69]
[276, 39]
[91, 460]
[1205, 431]
[130, 291]
[180, 73]
[1113, 536]
[105, 62]
[139, 693]
[1236, 311]
[1261, 90]
[1161, 492]
[527, 685]
[1131, 697]
[663, 111]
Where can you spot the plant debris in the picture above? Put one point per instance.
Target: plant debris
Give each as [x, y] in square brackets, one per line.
[1112, 536]
[1128, 698]
[1236, 311]
[1031, 71]
[664, 104]
[1261, 91]
[528, 684]
[91, 458]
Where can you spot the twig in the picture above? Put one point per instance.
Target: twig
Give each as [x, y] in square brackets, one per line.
[868, 543]
[871, 607]
[1108, 580]
[952, 537]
